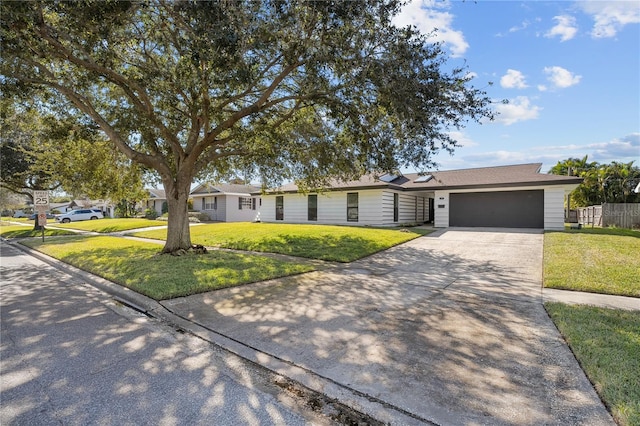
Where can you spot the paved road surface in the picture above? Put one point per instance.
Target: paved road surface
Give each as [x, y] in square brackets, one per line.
[69, 355]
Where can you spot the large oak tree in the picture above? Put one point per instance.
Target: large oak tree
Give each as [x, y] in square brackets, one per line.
[302, 90]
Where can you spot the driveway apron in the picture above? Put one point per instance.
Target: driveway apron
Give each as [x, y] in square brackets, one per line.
[448, 327]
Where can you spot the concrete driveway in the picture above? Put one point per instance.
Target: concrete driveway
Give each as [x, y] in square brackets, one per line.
[448, 328]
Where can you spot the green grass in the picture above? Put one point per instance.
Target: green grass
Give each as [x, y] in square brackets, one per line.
[22, 231]
[137, 265]
[606, 342]
[332, 243]
[110, 225]
[593, 260]
[15, 219]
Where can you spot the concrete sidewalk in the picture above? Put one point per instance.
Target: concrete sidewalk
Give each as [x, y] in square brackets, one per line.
[592, 299]
[446, 329]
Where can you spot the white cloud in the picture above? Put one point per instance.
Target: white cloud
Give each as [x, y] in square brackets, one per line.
[518, 109]
[513, 79]
[462, 139]
[520, 27]
[560, 77]
[428, 15]
[618, 149]
[610, 16]
[565, 28]
[624, 149]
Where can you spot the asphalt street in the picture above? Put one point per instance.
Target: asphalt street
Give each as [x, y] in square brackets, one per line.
[71, 355]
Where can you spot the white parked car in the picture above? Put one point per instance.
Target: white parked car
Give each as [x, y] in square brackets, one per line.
[81, 214]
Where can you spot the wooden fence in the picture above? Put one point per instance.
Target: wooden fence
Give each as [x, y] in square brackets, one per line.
[621, 215]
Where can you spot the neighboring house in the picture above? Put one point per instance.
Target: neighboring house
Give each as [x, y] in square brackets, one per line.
[77, 204]
[156, 199]
[107, 208]
[60, 207]
[225, 202]
[516, 196]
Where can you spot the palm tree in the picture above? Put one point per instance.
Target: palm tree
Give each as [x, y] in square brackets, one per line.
[574, 167]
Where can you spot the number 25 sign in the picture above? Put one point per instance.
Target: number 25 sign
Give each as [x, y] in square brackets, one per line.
[40, 198]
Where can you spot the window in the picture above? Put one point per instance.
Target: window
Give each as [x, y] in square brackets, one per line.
[312, 208]
[396, 204]
[279, 207]
[244, 203]
[352, 207]
[209, 203]
[253, 204]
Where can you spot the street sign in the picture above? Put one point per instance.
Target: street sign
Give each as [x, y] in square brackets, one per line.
[41, 200]
[42, 218]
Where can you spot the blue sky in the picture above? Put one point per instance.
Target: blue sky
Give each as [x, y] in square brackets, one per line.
[570, 70]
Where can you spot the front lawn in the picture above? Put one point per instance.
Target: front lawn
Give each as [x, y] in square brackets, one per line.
[14, 219]
[109, 225]
[22, 231]
[333, 243]
[606, 342]
[593, 260]
[137, 265]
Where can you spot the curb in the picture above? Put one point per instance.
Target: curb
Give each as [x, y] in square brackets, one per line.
[356, 407]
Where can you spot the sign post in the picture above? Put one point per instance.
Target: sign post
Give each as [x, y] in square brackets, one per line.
[41, 203]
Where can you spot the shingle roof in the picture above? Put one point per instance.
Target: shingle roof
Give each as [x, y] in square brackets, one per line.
[225, 188]
[498, 176]
[157, 193]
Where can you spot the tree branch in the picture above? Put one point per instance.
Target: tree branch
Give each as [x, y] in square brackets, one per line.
[134, 91]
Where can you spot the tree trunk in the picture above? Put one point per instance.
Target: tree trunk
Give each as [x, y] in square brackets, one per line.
[178, 235]
[37, 226]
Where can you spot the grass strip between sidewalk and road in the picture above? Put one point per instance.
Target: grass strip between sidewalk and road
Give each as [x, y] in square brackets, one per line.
[138, 266]
[323, 242]
[606, 342]
[596, 260]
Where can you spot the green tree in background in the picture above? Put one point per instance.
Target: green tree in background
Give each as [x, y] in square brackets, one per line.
[603, 183]
[55, 152]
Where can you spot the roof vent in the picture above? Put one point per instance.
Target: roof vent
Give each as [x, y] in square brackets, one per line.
[425, 178]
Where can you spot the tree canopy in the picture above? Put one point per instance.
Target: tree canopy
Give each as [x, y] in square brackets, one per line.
[299, 90]
[43, 151]
[603, 183]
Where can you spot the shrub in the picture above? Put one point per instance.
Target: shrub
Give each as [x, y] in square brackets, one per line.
[150, 214]
[198, 217]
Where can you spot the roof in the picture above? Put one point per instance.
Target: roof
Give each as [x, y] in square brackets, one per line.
[484, 177]
[224, 188]
[157, 193]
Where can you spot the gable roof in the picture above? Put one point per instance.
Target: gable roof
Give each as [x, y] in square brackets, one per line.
[157, 193]
[224, 188]
[483, 177]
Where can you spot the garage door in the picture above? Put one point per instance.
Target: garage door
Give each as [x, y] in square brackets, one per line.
[506, 209]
